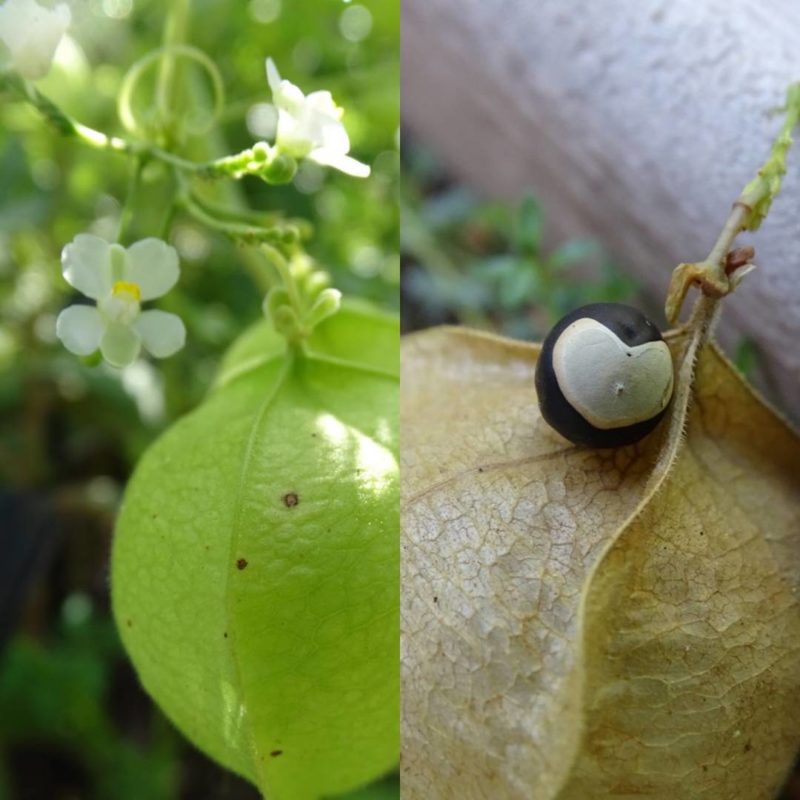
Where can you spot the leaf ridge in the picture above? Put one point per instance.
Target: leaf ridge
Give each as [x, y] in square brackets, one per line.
[670, 444]
[268, 401]
[456, 476]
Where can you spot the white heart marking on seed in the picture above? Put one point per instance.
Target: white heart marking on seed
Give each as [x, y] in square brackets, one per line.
[608, 383]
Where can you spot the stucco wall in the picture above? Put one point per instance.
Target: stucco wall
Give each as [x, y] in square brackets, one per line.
[635, 122]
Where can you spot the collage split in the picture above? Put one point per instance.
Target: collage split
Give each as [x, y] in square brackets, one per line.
[367, 430]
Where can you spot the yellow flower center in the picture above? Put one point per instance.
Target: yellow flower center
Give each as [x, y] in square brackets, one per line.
[125, 288]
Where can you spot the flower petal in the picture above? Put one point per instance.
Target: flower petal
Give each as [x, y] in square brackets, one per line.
[120, 345]
[340, 161]
[86, 264]
[32, 33]
[273, 76]
[162, 333]
[333, 137]
[152, 266]
[289, 98]
[321, 131]
[80, 329]
[321, 102]
[290, 136]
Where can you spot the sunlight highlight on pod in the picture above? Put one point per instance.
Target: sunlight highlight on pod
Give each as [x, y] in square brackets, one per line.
[375, 463]
[234, 713]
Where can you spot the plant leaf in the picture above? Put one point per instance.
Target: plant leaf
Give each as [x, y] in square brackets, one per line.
[341, 336]
[528, 231]
[518, 285]
[572, 252]
[570, 631]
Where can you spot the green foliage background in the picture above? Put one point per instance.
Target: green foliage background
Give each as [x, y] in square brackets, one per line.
[72, 432]
[485, 263]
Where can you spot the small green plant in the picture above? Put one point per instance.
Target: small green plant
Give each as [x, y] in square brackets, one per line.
[254, 569]
[485, 264]
[77, 670]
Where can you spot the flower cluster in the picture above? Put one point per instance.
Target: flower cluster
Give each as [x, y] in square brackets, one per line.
[119, 280]
[310, 126]
[295, 314]
[32, 33]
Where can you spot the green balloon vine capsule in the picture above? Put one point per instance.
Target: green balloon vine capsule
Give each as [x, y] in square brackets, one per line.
[255, 563]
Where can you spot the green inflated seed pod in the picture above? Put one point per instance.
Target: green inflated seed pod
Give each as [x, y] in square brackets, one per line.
[255, 562]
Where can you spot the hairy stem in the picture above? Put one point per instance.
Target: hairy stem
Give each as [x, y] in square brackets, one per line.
[715, 281]
[762, 190]
[733, 226]
[699, 327]
[748, 212]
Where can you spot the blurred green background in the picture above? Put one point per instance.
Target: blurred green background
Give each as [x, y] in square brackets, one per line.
[489, 264]
[73, 721]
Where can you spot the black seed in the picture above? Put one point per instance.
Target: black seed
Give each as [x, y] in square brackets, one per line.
[630, 325]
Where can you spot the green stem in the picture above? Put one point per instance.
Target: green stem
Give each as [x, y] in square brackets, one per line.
[168, 219]
[749, 211]
[244, 215]
[68, 126]
[176, 125]
[126, 216]
[282, 267]
[175, 33]
[236, 230]
[736, 222]
[230, 192]
[758, 195]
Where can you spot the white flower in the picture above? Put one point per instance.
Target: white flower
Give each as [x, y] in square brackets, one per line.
[119, 280]
[32, 34]
[311, 126]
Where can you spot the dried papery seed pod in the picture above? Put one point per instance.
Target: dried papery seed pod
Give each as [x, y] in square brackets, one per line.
[605, 376]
